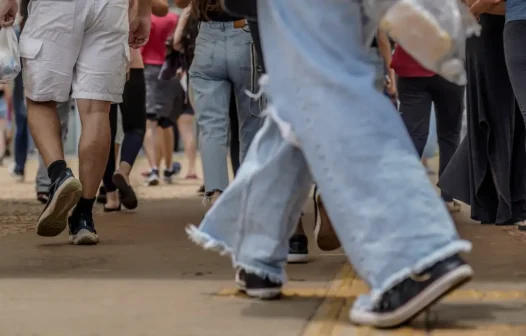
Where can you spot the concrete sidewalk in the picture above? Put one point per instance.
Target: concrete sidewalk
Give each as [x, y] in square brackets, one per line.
[147, 279]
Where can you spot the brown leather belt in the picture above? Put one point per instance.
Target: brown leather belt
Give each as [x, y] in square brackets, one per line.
[240, 23]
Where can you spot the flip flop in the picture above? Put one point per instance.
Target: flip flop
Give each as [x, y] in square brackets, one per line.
[126, 193]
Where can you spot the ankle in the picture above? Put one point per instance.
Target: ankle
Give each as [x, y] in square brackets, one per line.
[84, 206]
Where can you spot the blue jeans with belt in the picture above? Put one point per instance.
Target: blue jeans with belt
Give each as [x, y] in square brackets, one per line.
[223, 62]
[327, 123]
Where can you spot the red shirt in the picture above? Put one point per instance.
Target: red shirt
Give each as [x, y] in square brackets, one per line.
[154, 51]
[406, 66]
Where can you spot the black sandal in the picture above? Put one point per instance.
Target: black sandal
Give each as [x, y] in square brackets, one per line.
[126, 193]
[112, 209]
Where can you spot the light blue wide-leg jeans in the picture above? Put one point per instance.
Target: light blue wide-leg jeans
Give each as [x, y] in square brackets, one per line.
[326, 120]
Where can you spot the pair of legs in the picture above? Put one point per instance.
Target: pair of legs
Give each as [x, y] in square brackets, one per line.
[222, 63]
[79, 47]
[417, 95]
[42, 180]
[185, 125]
[133, 113]
[392, 225]
[516, 63]
[159, 139]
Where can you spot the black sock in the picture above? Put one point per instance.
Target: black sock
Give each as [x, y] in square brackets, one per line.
[55, 169]
[84, 206]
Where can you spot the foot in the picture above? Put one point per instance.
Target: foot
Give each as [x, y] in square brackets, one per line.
[298, 249]
[212, 197]
[63, 196]
[256, 286]
[201, 190]
[18, 176]
[324, 234]
[415, 294]
[191, 177]
[168, 174]
[453, 206]
[521, 226]
[101, 197]
[82, 230]
[153, 179]
[126, 192]
[112, 208]
[42, 197]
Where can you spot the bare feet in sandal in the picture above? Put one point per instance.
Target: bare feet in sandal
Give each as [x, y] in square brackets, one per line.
[453, 206]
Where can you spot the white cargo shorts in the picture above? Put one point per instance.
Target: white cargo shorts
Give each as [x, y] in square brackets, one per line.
[77, 46]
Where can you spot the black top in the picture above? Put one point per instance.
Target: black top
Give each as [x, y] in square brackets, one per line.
[220, 17]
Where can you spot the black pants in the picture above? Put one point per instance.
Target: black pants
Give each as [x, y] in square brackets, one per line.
[515, 53]
[416, 94]
[133, 111]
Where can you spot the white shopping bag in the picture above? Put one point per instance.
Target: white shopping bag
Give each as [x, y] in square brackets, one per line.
[9, 55]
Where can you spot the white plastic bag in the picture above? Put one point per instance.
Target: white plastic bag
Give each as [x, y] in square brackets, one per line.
[9, 55]
[433, 32]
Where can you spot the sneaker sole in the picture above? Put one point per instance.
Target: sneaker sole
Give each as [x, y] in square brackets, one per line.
[297, 258]
[128, 197]
[264, 293]
[84, 237]
[324, 234]
[433, 293]
[54, 219]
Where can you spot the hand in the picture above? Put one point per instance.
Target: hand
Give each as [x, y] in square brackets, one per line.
[139, 31]
[8, 13]
[391, 85]
[482, 6]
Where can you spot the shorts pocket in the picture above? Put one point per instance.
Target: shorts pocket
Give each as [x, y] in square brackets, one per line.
[29, 47]
[118, 79]
[55, 16]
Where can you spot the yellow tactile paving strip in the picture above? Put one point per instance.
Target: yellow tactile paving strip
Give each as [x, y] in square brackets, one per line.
[331, 317]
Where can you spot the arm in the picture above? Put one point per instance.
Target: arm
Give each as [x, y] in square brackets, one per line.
[384, 46]
[499, 9]
[144, 8]
[160, 7]
[182, 3]
[178, 33]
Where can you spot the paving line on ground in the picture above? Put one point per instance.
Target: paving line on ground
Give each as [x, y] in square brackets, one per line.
[331, 317]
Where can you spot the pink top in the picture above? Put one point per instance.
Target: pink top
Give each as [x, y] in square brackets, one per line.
[162, 27]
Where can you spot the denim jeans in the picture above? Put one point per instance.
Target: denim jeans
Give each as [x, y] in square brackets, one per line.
[22, 130]
[42, 180]
[222, 63]
[385, 211]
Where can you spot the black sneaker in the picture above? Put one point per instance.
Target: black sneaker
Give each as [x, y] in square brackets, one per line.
[63, 196]
[415, 294]
[82, 230]
[168, 174]
[298, 249]
[256, 286]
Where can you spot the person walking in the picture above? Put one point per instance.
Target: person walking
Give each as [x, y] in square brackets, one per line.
[393, 227]
[82, 47]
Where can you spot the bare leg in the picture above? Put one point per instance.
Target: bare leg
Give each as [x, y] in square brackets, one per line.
[44, 125]
[3, 140]
[168, 146]
[149, 144]
[159, 145]
[186, 129]
[94, 144]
